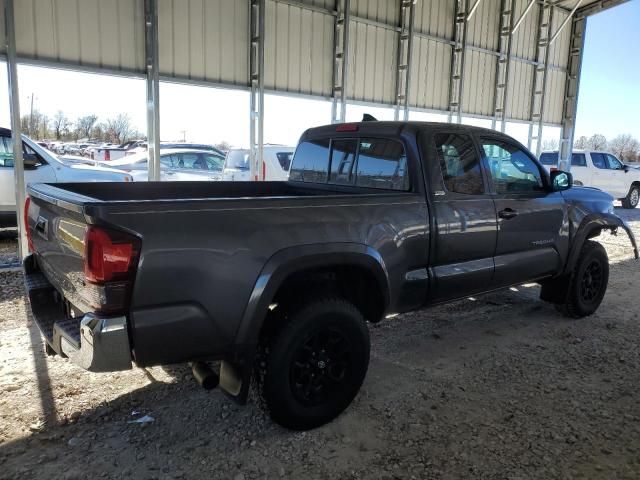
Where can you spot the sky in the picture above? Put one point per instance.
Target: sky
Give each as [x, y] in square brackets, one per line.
[609, 100]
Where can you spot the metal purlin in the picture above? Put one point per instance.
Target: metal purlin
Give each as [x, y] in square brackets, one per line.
[256, 81]
[457, 62]
[572, 87]
[405, 52]
[153, 87]
[540, 72]
[340, 61]
[503, 64]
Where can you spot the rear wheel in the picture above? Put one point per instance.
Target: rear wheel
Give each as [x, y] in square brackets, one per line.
[312, 367]
[632, 199]
[588, 283]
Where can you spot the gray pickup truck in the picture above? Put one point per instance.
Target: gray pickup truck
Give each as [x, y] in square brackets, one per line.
[276, 281]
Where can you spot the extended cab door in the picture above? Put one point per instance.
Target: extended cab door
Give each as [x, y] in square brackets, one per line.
[532, 238]
[464, 217]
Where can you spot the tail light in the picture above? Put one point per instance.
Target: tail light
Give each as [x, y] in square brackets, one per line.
[110, 263]
[107, 155]
[27, 204]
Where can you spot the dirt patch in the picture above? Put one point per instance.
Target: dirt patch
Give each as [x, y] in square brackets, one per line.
[500, 386]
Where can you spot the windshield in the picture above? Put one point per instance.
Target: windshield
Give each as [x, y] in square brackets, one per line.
[237, 159]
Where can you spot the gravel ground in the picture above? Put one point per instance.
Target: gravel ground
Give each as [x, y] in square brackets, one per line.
[496, 387]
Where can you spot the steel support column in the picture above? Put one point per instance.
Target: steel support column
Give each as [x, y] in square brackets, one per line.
[572, 86]
[456, 83]
[545, 20]
[503, 64]
[340, 61]
[405, 51]
[153, 87]
[256, 82]
[16, 131]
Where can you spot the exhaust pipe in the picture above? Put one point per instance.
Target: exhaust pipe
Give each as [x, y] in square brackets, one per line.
[204, 375]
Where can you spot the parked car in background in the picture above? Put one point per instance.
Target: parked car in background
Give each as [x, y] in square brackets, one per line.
[108, 153]
[177, 164]
[42, 166]
[143, 147]
[601, 170]
[276, 164]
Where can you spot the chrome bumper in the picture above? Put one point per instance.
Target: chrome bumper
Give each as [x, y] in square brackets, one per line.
[104, 344]
[97, 344]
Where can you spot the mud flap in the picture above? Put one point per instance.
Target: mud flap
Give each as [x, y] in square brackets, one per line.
[235, 380]
[555, 290]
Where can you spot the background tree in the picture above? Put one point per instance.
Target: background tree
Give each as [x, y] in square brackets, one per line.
[35, 126]
[625, 147]
[85, 124]
[60, 125]
[119, 129]
[224, 146]
[597, 141]
[552, 144]
[581, 143]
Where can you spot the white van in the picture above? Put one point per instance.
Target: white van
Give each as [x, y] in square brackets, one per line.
[276, 161]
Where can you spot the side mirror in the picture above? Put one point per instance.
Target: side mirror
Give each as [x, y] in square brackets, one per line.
[561, 180]
[625, 168]
[30, 161]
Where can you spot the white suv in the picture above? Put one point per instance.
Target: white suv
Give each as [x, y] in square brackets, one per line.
[276, 164]
[601, 170]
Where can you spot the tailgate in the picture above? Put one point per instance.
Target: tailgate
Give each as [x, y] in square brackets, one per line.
[57, 227]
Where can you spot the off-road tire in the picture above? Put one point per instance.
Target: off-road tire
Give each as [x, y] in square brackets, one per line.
[275, 385]
[588, 282]
[632, 199]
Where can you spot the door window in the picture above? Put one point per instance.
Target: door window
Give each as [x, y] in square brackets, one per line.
[459, 164]
[599, 160]
[381, 163]
[213, 162]
[613, 163]
[512, 170]
[578, 160]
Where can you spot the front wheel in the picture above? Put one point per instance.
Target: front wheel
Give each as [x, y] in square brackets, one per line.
[632, 199]
[314, 365]
[588, 283]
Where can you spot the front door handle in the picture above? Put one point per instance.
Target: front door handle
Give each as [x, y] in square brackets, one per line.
[507, 213]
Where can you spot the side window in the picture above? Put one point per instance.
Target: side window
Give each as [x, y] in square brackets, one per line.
[284, 159]
[512, 170]
[165, 161]
[343, 157]
[614, 163]
[459, 164]
[599, 160]
[578, 160]
[6, 153]
[551, 158]
[382, 163]
[213, 162]
[189, 160]
[311, 161]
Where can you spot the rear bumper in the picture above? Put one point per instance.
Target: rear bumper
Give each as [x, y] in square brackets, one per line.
[95, 343]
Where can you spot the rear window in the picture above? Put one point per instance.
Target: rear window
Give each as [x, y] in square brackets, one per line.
[284, 158]
[365, 162]
[551, 158]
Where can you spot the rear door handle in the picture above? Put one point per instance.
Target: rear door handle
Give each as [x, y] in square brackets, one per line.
[507, 213]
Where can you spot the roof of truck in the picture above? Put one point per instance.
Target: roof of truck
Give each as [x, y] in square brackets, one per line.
[386, 126]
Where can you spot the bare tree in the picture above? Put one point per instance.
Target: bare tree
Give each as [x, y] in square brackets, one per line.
[581, 143]
[597, 141]
[85, 124]
[224, 146]
[625, 147]
[60, 124]
[35, 125]
[550, 145]
[119, 129]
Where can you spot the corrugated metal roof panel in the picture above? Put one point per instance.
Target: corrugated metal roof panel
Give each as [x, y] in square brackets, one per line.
[328, 4]
[524, 40]
[478, 86]
[430, 75]
[435, 17]
[384, 11]
[103, 33]
[519, 91]
[558, 54]
[372, 63]
[298, 49]
[482, 30]
[554, 96]
[2, 34]
[204, 40]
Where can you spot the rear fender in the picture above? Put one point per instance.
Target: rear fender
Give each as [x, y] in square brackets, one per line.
[235, 375]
